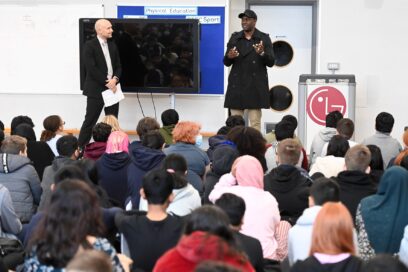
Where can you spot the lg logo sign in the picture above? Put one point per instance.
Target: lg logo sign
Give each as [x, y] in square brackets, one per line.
[324, 100]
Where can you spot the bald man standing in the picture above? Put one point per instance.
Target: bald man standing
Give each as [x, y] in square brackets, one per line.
[103, 70]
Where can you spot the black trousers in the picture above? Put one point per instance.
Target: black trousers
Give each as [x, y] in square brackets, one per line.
[94, 108]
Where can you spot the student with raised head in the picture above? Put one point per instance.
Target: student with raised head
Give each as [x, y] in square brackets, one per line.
[390, 147]
[38, 152]
[19, 176]
[149, 235]
[206, 236]
[18, 120]
[53, 130]
[355, 182]
[100, 135]
[332, 247]
[300, 235]
[324, 135]
[169, 119]
[287, 183]
[67, 147]
[186, 198]
[234, 207]
[345, 128]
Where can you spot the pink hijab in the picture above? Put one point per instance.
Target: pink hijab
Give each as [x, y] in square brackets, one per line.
[118, 141]
[248, 172]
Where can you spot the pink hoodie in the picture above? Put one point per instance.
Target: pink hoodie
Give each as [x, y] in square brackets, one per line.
[262, 214]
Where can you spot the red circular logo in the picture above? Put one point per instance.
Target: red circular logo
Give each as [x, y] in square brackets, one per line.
[322, 101]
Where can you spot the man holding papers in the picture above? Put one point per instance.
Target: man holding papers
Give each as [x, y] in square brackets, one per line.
[103, 70]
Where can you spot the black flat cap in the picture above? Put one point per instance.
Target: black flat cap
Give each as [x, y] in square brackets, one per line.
[248, 13]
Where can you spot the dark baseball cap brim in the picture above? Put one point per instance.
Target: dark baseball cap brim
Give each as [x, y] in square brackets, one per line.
[248, 13]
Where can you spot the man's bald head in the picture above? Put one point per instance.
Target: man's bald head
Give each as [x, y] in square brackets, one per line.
[103, 29]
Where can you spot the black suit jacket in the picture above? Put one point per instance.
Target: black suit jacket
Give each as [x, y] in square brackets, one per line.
[96, 68]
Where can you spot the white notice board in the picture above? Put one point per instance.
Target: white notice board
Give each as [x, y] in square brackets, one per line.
[39, 49]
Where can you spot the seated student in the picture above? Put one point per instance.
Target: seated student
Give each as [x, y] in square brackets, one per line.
[376, 164]
[38, 152]
[249, 141]
[271, 137]
[19, 176]
[10, 224]
[385, 262]
[187, 142]
[324, 135]
[143, 158]
[397, 160]
[72, 171]
[67, 147]
[113, 168]
[1, 126]
[261, 218]
[100, 135]
[59, 236]
[220, 138]
[18, 120]
[169, 119]
[345, 128]
[389, 146]
[186, 198]
[300, 235]
[207, 236]
[223, 158]
[380, 218]
[332, 164]
[53, 130]
[112, 121]
[286, 182]
[332, 246]
[355, 182]
[149, 235]
[234, 207]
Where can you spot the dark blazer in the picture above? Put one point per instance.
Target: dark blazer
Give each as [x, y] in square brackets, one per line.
[96, 68]
[248, 86]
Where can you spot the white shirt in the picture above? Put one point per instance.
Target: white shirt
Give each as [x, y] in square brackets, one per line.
[105, 50]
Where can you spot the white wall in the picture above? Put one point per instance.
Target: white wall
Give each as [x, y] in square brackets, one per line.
[367, 37]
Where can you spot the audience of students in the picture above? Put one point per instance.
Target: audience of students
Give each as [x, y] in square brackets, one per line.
[252, 231]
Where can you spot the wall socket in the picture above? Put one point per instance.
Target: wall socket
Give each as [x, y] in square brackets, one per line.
[333, 66]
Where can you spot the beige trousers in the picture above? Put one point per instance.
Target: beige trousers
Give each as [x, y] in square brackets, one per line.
[254, 116]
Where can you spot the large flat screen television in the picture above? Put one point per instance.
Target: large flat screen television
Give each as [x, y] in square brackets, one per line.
[157, 55]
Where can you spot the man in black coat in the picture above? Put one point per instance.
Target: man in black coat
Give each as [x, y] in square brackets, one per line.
[103, 70]
[249, 52]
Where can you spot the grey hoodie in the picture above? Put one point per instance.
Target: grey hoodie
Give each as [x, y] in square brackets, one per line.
[18, 175]
[319, 140]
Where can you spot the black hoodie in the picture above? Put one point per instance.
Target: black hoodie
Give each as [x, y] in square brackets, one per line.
[291, 189]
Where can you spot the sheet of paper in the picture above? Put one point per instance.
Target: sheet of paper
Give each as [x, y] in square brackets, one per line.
[110, 98]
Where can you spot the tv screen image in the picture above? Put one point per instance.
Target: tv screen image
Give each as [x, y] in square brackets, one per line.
[157, 55]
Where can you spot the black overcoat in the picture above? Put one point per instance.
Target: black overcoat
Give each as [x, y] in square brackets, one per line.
[248, 86]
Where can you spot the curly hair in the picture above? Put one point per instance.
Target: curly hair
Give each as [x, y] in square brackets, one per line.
[186, 132]
[72, 215]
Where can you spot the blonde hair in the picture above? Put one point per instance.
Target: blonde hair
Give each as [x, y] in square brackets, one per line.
[112, 121]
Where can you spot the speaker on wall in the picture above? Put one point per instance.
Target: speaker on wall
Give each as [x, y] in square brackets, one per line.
[283, 53]
[280, 98]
